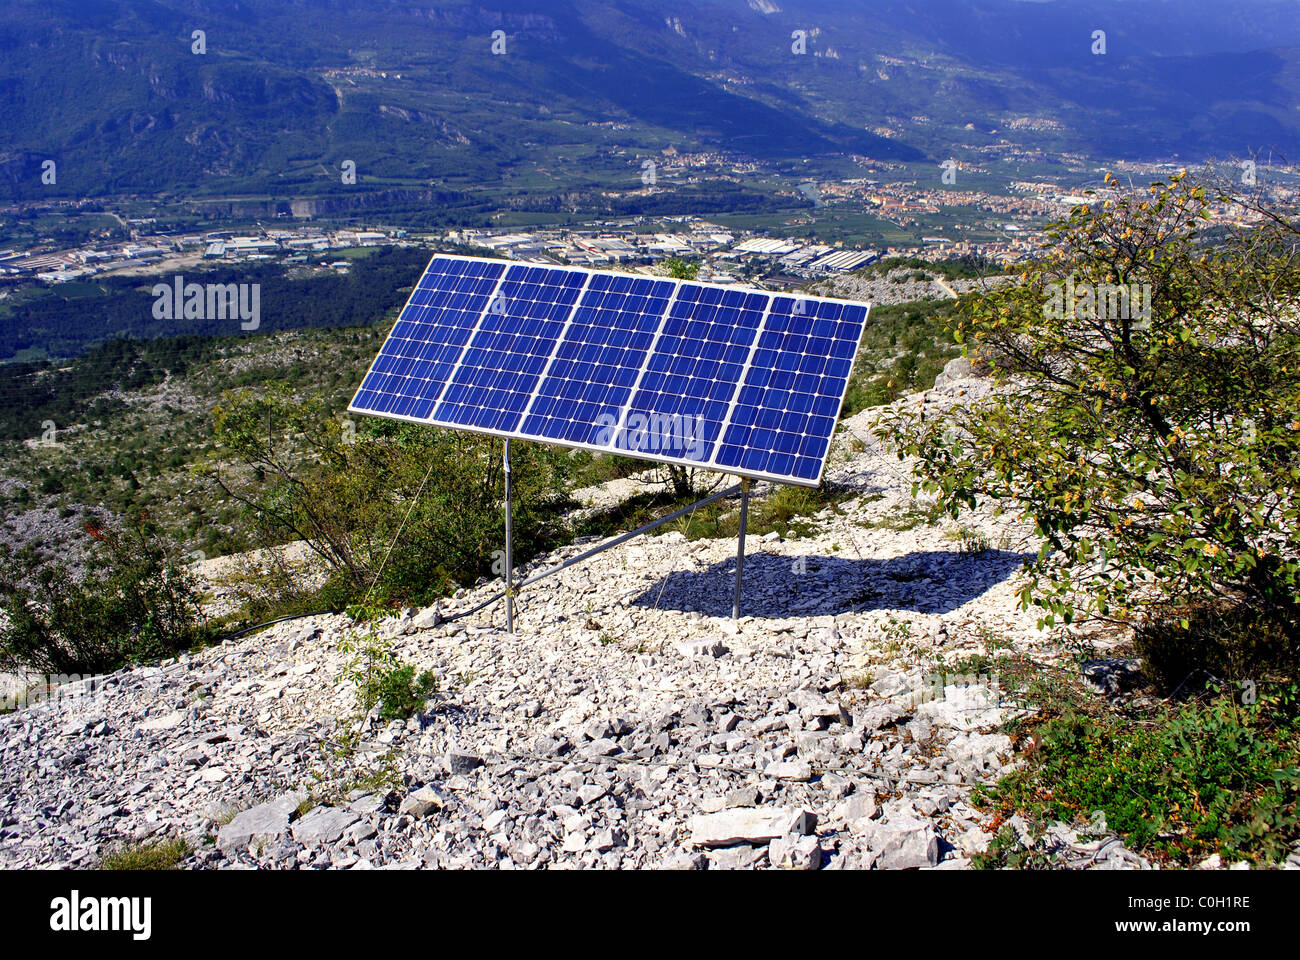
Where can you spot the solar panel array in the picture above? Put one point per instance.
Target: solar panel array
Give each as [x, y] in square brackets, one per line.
[734, 380]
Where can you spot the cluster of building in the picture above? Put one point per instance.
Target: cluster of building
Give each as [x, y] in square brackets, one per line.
[226, 245]
[723, 253]
[58, 266]
[1003, 227]
[602, 244]
[812, 257]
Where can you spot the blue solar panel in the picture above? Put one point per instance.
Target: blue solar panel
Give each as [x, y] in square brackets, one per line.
[411, 370]
[498, 374]
[599, 360]
[790, 399]
[682, 400]
[735, 380]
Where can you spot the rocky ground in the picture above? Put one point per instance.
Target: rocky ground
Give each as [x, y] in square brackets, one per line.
[901, 285]
[628, 722]
[222, 583]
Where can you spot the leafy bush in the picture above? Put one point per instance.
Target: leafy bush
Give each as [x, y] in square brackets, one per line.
[382, 678]
[398, 690]
[1158, 455]
[351, 490]
[1188, 782]
[267, 586]
[133, 603]
[971, 266]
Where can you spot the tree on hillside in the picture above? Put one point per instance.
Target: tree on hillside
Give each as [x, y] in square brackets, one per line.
[411, 510]
[133, 602]
[682, 269]
[1148, 413]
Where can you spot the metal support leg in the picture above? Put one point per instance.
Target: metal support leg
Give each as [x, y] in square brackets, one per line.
[740, 545]
[510, 552]
[599, 548]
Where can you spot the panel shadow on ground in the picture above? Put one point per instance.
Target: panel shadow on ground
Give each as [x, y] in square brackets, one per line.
[777, 587]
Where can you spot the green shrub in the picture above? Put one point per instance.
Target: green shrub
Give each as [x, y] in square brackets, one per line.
[1157, 455]
[786, 510]
[268, 588]
[398, 690]
[382, 678]
[134, 603]
[1178, 785]
[352, 490]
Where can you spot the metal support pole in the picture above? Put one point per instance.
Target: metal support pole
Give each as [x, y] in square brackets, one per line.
[599, 548]
[740, 545]
[625, 537]
[510, 548]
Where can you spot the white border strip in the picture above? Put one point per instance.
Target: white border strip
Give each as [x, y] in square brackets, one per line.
[740, 381]
[555, 351]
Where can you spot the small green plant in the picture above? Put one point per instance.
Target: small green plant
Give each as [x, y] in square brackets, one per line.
[972, 541]
[855, 445]
[387, 775]
[897, 630]
[383, 679]
[974, 664]
[400, 691]
[149, 855]
[1007, 852]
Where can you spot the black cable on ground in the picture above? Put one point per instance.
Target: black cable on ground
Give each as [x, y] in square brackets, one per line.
[292, 616]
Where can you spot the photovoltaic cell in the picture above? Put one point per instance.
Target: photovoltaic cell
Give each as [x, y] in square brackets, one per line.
[681, 402]
[790, 399]
[729, 379]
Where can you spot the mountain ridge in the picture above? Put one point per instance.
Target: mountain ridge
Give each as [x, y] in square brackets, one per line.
[286, 91]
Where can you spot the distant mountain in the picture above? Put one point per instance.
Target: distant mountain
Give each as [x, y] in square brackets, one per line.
[411, 92]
